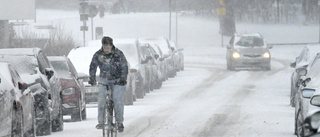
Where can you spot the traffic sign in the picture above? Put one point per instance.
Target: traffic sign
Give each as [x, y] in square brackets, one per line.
[83, 28]
[93, 11]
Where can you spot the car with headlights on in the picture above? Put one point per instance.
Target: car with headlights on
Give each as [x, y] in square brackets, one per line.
[36, 70]
[248, 50]
[73, 89]
[17, 117]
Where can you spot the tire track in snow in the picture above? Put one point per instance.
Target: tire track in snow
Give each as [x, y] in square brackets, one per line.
[161, 118]
[220, 123]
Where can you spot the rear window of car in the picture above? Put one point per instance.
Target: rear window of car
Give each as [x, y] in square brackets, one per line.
[249, 41]
[62, 69]
[22, 63]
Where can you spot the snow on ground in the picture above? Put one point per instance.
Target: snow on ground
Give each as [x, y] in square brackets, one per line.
[205, 99]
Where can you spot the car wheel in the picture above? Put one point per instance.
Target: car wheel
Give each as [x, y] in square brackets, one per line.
[44, 128]
[129, 97]
[77, 114]
[158, 84]
[84, 113]
[32, 131]
[299, 125]
[139, 91]
[292, 96]
[267, 68]
[17, 122]
[57, 124]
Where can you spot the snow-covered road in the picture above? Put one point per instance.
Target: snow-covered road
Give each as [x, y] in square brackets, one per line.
[205, 99]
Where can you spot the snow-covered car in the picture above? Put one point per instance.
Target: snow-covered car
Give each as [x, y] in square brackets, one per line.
[308, 102]
[73, 89]
[17, 116]
[153, 64]
[167, 51]
[138, 64]
[161, 61]
[36, 70]
[248, 50]
[81, 59]
[301, 67]
[309, 84]
[179, 56]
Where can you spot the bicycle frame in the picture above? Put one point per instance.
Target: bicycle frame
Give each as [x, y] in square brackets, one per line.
[108, 114]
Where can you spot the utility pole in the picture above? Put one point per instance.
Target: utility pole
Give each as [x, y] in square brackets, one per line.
[169, 19]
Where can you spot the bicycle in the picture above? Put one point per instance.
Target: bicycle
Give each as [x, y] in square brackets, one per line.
[112, 125]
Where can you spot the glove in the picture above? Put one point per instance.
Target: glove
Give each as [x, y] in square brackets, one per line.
[123, 81]
[92, 81]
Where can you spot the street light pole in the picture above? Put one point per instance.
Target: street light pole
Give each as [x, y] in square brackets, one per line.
[170, 20]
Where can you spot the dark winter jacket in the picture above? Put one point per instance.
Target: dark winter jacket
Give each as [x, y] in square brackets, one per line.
[112, 66]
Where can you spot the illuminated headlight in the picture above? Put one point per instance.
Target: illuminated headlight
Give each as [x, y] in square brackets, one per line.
[68, 91]
[235, 55]
[266, 55]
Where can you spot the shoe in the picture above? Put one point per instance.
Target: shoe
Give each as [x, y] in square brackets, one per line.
[120, 127]
[99, 126]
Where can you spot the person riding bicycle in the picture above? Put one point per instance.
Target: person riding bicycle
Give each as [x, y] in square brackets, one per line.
[113, 67]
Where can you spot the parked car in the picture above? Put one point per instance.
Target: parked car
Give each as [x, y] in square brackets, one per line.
[179, 56]
[167, 51]
[35, 69]
[308, 102]
[309, 84]
[161, 61]
[81, 59]
[300, 65]
[73, 89]
[17, 117]
[152, 63]
[138, 64]
[248, 50]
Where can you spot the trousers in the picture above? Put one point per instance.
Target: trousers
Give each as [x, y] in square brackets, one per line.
[118, 97]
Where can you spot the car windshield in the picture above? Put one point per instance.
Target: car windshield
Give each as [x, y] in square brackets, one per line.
[22, 63]
[131, 53]
[249, 41]
[62, 69]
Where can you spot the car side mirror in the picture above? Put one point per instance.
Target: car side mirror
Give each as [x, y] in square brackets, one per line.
[156, 56]
[180, 49]
[293, 64]
[49, 72]
[270, 46]
[304, 81]
[22, 86]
